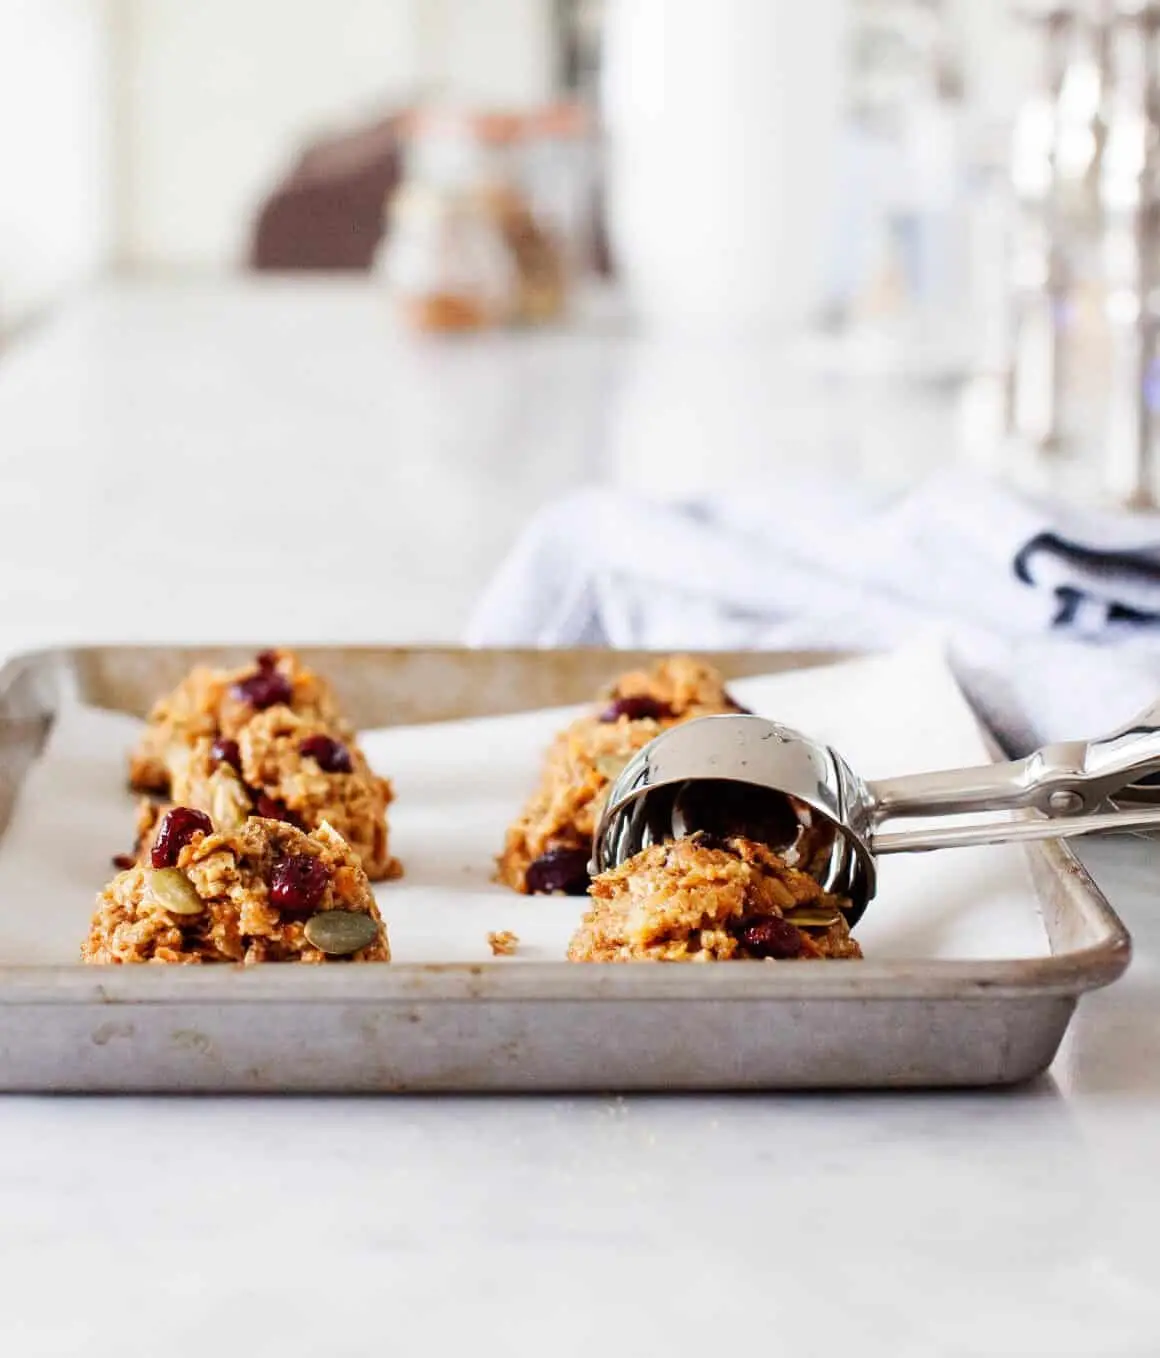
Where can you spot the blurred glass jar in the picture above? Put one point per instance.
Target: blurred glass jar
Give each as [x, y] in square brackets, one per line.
[473, 236]
[444, 261]
[509, 180]
[443, 257]
[559, 177]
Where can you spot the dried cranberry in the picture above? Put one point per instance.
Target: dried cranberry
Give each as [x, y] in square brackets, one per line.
[266, 660]
[265, 688]
[123, 861]
[177, 828]
[636, 707]
[563, 870]
[225, 751]
[270, 808]
[331, 756]
[771, 937]
[298, 882]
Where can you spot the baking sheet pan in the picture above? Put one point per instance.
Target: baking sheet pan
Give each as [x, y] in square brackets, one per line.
[539, 1025]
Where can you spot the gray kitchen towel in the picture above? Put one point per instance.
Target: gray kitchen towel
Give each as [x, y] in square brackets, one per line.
[1052, 616]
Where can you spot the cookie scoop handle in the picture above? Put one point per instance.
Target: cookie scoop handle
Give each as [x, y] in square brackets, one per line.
[1057, 791]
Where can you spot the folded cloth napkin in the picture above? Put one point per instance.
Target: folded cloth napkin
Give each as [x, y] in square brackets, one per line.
[1052, 616]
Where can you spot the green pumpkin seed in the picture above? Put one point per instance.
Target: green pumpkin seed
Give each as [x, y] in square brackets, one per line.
[806, 918]
[338, 932]
[229, 804]
[173, 891]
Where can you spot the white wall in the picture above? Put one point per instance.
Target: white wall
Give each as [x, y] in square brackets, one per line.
[56, 194]
[220, 94]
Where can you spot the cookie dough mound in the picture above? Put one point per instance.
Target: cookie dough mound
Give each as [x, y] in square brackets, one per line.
[680, 686]
[704, 899]
[287, 767]
[547, 848]
[212, 703]
[264, 892]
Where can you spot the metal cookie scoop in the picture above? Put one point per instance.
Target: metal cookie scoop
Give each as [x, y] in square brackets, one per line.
[746, 775]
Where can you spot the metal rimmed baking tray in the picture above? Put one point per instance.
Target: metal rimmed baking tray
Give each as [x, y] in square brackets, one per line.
[538, 1026]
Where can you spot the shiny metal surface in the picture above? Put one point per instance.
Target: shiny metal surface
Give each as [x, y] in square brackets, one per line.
[644, 803]
[1059, 791]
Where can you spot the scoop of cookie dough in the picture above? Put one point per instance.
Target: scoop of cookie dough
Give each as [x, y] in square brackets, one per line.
[704, 899]
[213, 703]
[546, 849]
[263, 892]
[287, 767]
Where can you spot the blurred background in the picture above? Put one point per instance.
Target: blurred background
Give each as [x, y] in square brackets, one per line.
[547, 242]
[153, 137]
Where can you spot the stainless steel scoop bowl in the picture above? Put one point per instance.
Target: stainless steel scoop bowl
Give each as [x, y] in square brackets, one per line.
[747, 775]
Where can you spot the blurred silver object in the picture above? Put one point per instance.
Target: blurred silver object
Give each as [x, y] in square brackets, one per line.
[1129, 190]
[1083, 262]
[1057, 792]
[1056, 149]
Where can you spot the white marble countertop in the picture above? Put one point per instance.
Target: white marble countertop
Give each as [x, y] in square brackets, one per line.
[270, 461]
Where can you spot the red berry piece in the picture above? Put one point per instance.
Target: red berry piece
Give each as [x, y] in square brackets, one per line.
[564, 870]
[330, 755]
[267, 660]
[299, 882]
[177, 828]
[636, 707]
[771, 937]
[265, 688]
[270, 808]
[225, 751]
